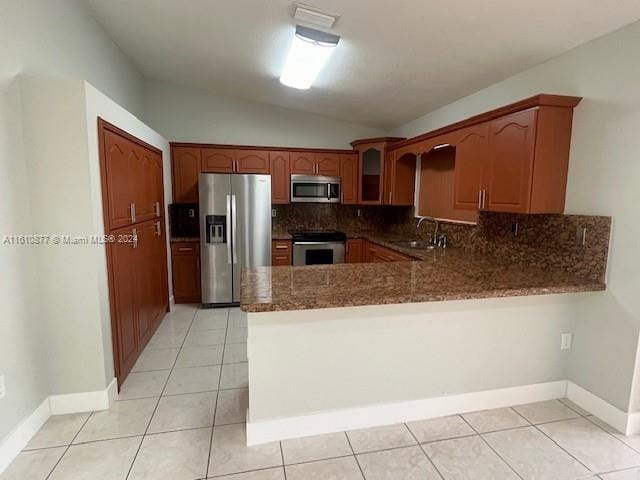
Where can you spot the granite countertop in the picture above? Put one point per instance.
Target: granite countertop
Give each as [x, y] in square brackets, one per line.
[437, 275]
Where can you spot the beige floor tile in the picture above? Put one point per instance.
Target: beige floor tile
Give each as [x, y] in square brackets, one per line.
[235, 353]
[234, 375]
[205, 338]
[468, 458]
[633, 474]
[173, 456]
[150, 360]
[344, 468]
[106, 460]
[543, 412]
[172, 324]
[143, 384]
[210, 319]
[237, 318]
[380, 438]
[236, 335]
[230, 454]
[595, 448]
[319, 447]
[125, 418]
[574, 407]
[33, 465]
[193, 380]
[232, 406]
[200, 356]
[180, 412]
[440, 428]
[58, 431]
[402, 463]
[533, 456]
[632, 440]
[494, 420]
[162, 340]
[268, 474]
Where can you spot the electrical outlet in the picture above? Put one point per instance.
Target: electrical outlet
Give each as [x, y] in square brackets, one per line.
[3, 387]
[565, 341]
[274, 213]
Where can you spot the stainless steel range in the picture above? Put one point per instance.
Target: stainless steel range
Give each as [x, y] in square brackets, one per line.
[318, 247]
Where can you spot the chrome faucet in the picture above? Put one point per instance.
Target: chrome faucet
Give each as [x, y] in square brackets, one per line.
[435, 240]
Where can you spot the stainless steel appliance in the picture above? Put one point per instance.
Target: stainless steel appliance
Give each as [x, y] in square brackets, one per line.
[315, 189]
[184, 220]
[318, 248]
[235, 232]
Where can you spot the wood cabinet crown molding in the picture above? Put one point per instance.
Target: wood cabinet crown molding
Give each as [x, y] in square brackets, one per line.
[543, 99]
[259, 147]
[365, 141]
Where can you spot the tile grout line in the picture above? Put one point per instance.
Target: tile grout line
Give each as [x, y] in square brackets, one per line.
[423, 451]
[135, 457]
[493, 449]
[284, 470]
[68, 446]
[215, 410]
[354, 455]
[588, 419]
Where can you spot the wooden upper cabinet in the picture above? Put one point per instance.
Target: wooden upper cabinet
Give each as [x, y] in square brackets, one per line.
[185, 164]
[349, 178]
[280, 177]
[303, 163]
[218, 160]
[148, 182]
[371, 170]
[471, 150]
[328, 164]
[510, 166]
[120, 165]
[252, 161]
[399, 178]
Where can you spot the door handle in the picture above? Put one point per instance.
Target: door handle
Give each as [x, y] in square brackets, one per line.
[233, 228]
[228, 228]
[132, 208]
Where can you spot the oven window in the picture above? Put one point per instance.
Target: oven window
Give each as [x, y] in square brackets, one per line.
[310, 190]
[318, 257]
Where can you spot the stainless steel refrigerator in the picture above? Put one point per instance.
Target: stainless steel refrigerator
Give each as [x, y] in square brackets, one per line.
[235, 232]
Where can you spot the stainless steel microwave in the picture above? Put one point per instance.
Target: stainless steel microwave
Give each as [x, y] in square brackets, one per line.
[315, 189]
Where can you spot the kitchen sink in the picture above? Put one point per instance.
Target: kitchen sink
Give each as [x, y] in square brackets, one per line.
[415, 244]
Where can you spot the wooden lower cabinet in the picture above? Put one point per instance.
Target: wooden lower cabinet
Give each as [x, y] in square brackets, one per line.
[185, 260]
[281, 253]
[354, 251]
[375, 253]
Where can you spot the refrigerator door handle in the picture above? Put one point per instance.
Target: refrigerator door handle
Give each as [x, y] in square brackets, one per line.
[228, 229]
[234, 228]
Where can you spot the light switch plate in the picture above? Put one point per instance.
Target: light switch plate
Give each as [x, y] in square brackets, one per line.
[566, 339]
[3, 387]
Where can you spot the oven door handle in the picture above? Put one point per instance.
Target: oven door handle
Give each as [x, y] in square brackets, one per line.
[318, 243]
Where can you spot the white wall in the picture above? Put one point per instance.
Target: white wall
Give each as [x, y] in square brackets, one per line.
[603, 179]
[186, 115]
[49, 37]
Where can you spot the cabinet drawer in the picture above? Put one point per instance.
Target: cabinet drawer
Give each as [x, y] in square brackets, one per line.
[185, 248]
[281, 246]
[376, 253]
[280, 259]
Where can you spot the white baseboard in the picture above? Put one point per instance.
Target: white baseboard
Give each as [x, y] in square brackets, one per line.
[593, 404]
[84, 401]
[376, 415]
[13, 443]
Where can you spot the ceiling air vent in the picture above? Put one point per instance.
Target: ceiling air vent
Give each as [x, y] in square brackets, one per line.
[312, 16]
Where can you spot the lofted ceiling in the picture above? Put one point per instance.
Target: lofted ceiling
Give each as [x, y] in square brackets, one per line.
[396, 61]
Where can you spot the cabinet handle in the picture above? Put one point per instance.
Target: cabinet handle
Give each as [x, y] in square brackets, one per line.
[156, 208]
[158, 231]
[479, 199]
[484, 198]
[132, 208]
[282, 247]
[185, 249]
[134, 237]
[198, 263]
[390, 193]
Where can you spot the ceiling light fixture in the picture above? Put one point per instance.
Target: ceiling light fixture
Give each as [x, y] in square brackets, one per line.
[309, 52]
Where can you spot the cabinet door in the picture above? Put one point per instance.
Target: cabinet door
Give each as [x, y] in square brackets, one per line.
[158, 272]
[149, 189]
[403, 180]
[303, 163]
[252, 161]
[144, 280]
[185, 162]
[124, 301]
[470, 164]
[281, 253]
[280, 178]
[328, 164]
[120, 162]
[388, 172]
[511, 150]
[371, 179]
[354, 251]
[185, 260]
[349, 178]
[218, 160]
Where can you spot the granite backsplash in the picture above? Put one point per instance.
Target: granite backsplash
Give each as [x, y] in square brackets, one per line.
[545, 241]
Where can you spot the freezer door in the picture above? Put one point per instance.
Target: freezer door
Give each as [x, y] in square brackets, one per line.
[215, 238]
[251, 230]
